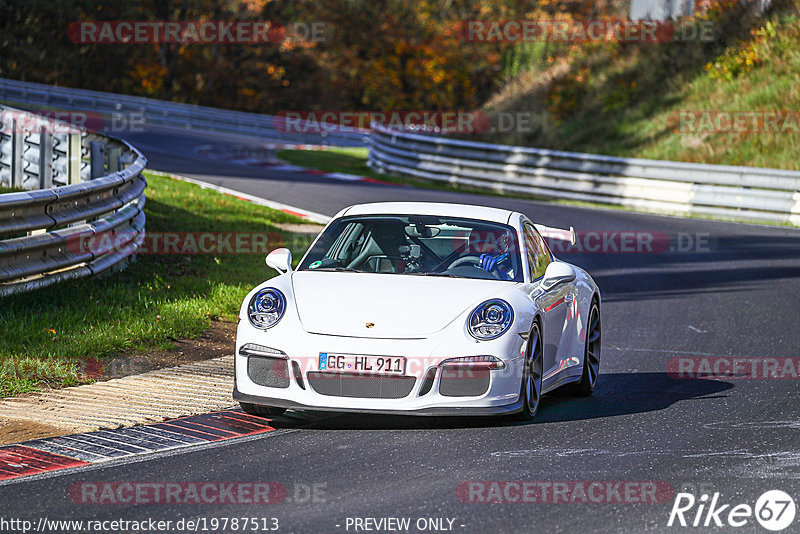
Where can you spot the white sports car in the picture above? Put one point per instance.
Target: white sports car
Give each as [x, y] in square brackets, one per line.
[421, 309]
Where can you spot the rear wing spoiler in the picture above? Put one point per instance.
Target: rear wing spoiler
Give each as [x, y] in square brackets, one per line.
[557, 233]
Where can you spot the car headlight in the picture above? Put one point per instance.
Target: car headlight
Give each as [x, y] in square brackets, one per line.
[266, 308]
[490, 320]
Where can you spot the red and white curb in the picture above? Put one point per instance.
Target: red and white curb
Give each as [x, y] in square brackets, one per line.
[77, 450]
[309, 216]
[355, 178]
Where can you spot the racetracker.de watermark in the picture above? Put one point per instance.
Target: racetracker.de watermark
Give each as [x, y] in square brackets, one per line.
[420, 120]
[737, 122]
[194, 32]
[730, 367]
[633, 242]
[565, 491]
[329, 121]
[211, 493]
[581, 31]
[183, 243]
[70, 122]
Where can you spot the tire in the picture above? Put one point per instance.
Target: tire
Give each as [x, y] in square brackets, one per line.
[261, 411]
[591, 356]
[531, 387]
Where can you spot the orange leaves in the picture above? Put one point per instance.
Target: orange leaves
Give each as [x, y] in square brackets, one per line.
[148, 76]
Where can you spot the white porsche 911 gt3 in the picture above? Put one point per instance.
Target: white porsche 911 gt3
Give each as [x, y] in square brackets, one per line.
[421, 309]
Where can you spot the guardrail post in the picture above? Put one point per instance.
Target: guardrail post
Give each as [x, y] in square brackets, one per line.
[113, 159]
[73, 158]
[125, 160]
[97, 159]
[45, 159]
[38, 261]
[17, 150]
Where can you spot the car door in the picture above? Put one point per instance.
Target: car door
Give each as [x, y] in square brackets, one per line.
[554, 303]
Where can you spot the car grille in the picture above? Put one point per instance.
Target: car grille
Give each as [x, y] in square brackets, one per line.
[361, 385]
[464, 381]
[269, 372]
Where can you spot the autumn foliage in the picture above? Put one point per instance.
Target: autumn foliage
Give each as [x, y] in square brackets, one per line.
[375, 55]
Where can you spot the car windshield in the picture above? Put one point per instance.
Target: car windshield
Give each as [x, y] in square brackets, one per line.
[418, 245]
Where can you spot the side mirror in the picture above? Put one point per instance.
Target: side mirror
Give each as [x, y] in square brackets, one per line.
[280, 259]
[557, 272]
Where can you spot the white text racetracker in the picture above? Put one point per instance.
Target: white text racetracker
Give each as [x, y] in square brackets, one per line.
[400, 524]
[390, 365]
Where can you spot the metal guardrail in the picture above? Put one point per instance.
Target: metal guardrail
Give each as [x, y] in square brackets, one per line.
[174, 115]
[44, 233]
[744, 193]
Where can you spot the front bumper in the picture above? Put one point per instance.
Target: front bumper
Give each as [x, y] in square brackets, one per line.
[423, 356]
[432, 411]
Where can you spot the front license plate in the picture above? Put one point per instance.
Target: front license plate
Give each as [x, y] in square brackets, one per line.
[382, 365]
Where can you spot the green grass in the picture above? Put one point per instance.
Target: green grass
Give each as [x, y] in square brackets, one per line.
[332, 159]
[47, 335]
[649, 126]
[10, 190]
[625, 100]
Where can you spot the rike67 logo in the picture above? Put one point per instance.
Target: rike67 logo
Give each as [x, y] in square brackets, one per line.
[774, 510]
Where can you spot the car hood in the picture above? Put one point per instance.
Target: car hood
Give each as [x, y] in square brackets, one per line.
[398, 306]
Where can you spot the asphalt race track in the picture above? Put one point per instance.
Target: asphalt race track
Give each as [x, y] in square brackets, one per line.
[714, 290]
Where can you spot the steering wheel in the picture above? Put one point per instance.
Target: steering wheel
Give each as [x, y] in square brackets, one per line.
[472, 260]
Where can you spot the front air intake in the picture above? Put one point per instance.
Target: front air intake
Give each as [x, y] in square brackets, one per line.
[266, 366]
[268, 372]
[464, 380]
[361, 385]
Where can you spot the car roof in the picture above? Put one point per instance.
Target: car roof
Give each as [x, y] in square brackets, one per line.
[441, 209]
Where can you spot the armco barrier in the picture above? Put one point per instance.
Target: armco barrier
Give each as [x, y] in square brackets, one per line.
[743, 193]
[170, 114]
[41, 231]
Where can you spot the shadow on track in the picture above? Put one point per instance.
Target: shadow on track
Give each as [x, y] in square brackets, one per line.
[617, 394]
[737, 263]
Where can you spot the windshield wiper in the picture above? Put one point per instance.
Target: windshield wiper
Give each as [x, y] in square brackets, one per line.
[446, 275]
[336, 269]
